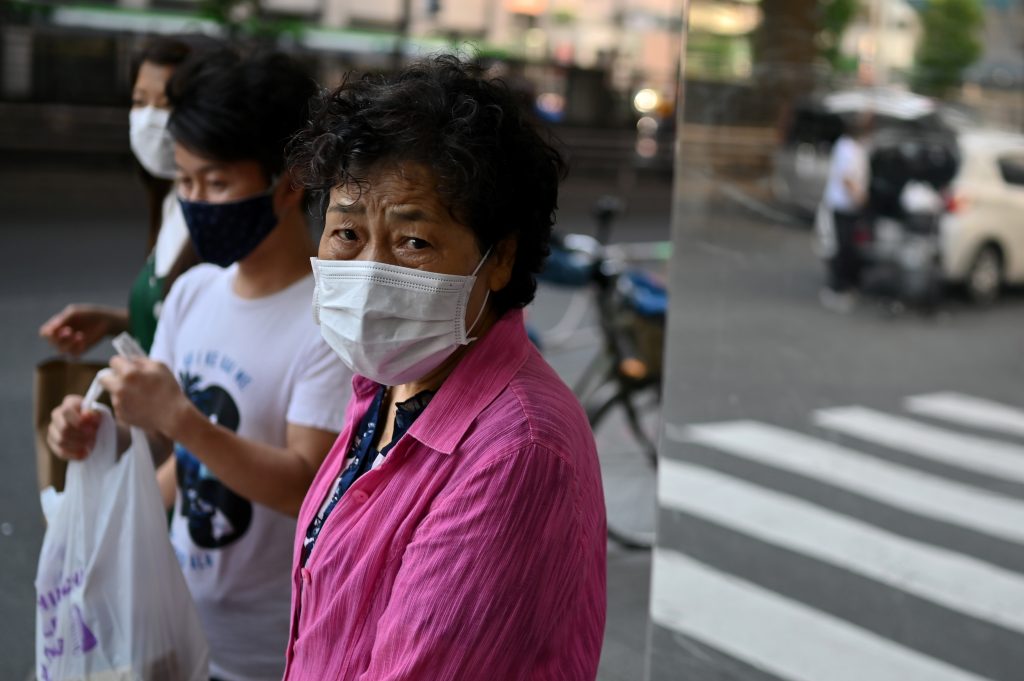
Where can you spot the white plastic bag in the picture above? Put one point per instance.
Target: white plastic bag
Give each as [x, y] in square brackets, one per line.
[826, 244]
[112, 603]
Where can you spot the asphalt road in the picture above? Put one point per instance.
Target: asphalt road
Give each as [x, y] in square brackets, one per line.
[796, 541]
[838, 494]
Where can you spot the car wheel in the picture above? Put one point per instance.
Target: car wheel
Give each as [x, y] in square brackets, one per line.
[985, 278]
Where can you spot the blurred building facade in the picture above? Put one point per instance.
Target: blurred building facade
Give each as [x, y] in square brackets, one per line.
[600, 64]
[632, 43]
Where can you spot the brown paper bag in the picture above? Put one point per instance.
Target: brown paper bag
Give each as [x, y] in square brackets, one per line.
[54, 379]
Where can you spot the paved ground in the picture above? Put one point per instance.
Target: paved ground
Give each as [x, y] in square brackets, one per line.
[840, 495]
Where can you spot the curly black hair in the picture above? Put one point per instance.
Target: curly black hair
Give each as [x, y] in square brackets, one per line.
[230, 108]
[494, 171]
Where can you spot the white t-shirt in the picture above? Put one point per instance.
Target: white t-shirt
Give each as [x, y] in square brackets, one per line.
[849, 161]
[254, 366]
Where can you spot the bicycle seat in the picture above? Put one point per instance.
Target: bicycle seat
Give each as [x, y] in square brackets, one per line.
[608, 206]
[644, 294]
[568, 267]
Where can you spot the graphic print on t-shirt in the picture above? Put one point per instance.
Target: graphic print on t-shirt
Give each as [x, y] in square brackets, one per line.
[216, 516]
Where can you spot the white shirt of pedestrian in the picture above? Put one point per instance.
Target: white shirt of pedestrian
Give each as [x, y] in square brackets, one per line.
[850, 163]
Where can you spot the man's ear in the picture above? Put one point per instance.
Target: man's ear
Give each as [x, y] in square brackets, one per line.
[504, 259]
[288, 195]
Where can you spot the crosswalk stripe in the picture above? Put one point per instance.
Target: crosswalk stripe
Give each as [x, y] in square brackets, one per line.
[904, 488]
[777, 634]
[982, 455]
[951, 579]
[969, 411]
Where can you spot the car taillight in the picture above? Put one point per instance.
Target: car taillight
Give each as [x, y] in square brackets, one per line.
[955, 202]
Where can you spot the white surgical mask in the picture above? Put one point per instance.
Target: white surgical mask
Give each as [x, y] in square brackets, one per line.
[150, 141]
[392, 324]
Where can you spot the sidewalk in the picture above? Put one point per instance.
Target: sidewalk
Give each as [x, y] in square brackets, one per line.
[625, 636]
[629, 490]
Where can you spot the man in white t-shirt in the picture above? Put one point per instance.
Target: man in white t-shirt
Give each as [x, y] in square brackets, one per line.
[846, 195]
[240, 384]
[258, 368]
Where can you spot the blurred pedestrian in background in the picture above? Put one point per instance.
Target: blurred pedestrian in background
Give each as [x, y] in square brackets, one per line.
[846, 200]
[457, 528]
[79, 326]
[259, 396]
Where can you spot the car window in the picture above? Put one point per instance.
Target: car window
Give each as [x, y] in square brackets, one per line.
[1012, 168]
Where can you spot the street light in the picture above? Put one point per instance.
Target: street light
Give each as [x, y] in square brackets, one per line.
[646, 100]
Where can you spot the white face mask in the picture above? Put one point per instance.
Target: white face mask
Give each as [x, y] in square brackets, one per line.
[392, 324]
[150, 141]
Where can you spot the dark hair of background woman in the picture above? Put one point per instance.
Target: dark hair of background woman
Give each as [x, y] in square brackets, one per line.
[169, 51]
[162, 51]
[494, 171]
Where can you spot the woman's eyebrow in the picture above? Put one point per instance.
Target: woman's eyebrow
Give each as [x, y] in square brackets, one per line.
[339, 207]
[407, 213]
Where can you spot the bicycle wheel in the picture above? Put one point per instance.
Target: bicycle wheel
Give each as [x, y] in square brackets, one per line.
[628, 473]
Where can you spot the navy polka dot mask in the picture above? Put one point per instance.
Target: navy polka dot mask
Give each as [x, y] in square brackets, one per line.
[224, 233]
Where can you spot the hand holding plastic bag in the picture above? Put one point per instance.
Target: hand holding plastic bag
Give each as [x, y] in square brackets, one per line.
[112, 603]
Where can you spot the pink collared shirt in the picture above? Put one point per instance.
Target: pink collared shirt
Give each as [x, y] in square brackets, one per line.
[476, 550]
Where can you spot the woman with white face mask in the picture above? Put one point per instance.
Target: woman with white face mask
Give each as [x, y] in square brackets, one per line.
[456, 530]
[79, 326]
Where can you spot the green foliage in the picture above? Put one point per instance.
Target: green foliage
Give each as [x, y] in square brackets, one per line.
[563, 17]
[242, 18]
[949, 45]
[836, 16]
[221, 11]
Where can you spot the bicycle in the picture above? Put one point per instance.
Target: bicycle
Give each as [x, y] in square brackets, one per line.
[624, 378]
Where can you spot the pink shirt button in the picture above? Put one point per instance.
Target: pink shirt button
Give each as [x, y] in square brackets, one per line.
[360, 496]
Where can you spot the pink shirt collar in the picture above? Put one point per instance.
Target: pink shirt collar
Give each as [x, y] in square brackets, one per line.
[476, 381]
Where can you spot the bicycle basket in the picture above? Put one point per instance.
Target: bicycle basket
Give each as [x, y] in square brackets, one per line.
[641, 304]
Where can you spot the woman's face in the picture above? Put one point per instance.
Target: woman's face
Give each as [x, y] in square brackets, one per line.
[150, 87]
[211, 181]
[398, 219]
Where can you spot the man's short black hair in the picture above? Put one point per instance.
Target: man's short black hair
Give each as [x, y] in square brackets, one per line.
[493, 170]
[232, 108]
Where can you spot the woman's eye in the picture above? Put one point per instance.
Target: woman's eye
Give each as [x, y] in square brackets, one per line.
[347, 234]
[417, 244]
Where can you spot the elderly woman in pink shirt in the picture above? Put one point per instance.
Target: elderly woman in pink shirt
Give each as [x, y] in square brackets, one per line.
[456, 531]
